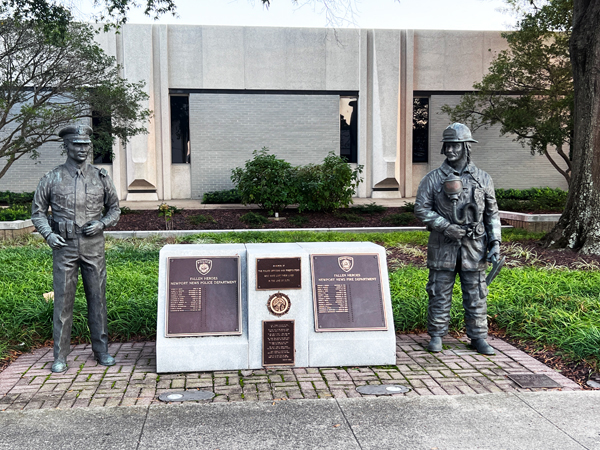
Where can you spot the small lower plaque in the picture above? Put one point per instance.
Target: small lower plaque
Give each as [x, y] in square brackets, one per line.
[278, 348]
[534, 380]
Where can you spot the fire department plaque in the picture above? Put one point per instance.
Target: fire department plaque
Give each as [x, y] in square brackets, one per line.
[278, 273]
[278, 343]
[203, 296]
[347, 293]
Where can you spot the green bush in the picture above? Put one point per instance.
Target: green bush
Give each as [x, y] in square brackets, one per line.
[348, 216]
[253, 219]
[15, 212]
[409, 207]
[14, 198]
[299, 221]
[533, 199]
[127, 210]
[327, 186]
[371, 208]
[399, 220]
[266, 181]
[220, 197]
[202, 218]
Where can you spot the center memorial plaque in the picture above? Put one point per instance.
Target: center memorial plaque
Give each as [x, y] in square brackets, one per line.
[203, 296]
[347, 293]
[278, 273]
[278, 343]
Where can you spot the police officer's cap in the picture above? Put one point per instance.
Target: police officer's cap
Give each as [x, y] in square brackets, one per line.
[78, 134]
[457, 132]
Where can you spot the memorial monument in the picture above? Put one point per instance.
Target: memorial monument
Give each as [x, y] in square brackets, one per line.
[457, 203]
[77, 193]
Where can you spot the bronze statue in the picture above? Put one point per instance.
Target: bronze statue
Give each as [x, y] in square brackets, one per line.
[77, 192]
[458, 205]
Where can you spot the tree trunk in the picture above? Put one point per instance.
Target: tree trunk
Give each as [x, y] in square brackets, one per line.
[579, 226]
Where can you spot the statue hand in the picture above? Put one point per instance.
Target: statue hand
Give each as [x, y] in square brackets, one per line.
[455, 232]
[494, 251]
[55, 241]
[93, 227]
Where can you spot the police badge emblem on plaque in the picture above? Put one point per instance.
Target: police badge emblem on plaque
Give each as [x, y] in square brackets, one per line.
[203, 266]
[346, 263]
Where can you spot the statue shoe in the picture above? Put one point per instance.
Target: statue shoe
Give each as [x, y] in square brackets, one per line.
[482, 347]
[59, 366]
[104, 359]
[435, 344]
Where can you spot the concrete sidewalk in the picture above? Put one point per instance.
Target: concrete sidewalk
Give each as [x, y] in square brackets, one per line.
[196, 204]
[548, 420]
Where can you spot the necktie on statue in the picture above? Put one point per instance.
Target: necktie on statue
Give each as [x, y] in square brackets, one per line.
[80, 200]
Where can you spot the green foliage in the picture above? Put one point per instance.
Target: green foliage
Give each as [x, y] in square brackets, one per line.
[371, 208]
[201, 218]
[253, 219]
[533, 199]
[15, 212]
[400, 220]
[16, 198]
[266, 181]
[298, 221]
[528, 89]
[327, 186]
[409, 207]
[127, 210]
[167, 211]
[222, 197]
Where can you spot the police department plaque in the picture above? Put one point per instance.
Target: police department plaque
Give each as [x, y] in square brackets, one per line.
[278, 273]
[278, 343]
[347, 293]
[203, 296]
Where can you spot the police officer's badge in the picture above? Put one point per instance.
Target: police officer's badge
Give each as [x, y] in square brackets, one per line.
[346, 263]
[203, 266]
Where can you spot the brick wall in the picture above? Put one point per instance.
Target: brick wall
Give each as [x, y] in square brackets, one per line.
[226, 128]
[509, 164]
[24, 175]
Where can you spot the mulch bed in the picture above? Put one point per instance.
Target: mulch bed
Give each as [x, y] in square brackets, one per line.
[229, 219]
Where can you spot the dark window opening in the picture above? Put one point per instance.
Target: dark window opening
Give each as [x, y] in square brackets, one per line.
[349, 128]
[420, 130]
[102, 139]
[180, 130]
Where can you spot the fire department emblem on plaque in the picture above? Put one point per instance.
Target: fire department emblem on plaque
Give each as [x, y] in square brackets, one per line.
[203, 266]
[279, 304]
[346, 263]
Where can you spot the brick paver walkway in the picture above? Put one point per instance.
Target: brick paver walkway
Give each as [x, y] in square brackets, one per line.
[29, 384]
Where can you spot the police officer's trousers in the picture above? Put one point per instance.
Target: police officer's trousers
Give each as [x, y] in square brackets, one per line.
[474, 293]
[86, 253]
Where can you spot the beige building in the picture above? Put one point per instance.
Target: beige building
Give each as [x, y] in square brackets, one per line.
[374, 96]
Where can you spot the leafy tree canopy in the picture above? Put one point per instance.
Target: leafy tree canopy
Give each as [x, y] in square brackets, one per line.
[528, 90]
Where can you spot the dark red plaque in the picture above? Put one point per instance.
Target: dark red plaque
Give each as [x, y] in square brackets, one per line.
[278, 273]
[203, 296]
[347, 293]
[278, 347]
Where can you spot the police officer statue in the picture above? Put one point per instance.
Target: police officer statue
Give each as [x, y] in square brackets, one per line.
[458, 205]
[77, 193]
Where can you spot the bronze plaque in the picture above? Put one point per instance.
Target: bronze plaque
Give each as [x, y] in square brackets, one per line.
[347, 293]
[278, 348]
[279, 304]
[203, 296]
[278, 273]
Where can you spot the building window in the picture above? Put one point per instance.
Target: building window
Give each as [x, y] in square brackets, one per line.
[349, 128]
[180, 129]
[102, 138]
[420, 130]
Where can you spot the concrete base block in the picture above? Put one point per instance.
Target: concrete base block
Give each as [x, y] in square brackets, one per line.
[386, 194]
[200, 353]
[12, 229]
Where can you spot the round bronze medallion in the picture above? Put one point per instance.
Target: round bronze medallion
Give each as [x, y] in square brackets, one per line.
[279, 304]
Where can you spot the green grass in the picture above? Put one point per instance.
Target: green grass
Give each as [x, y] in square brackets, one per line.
[555, 307]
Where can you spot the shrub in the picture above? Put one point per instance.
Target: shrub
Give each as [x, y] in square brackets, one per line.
[399, 220]
[220, 197]
[266, 181]
[299, 221]
[14, 198]
[348, 216]
[371, 208]
[15, 212]
[253, 219]
[409, 207]
[127, 210]
[201, 218]
[328, 186]
[533, 199]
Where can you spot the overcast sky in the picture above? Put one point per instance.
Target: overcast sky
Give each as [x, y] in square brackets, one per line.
[417, 14]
